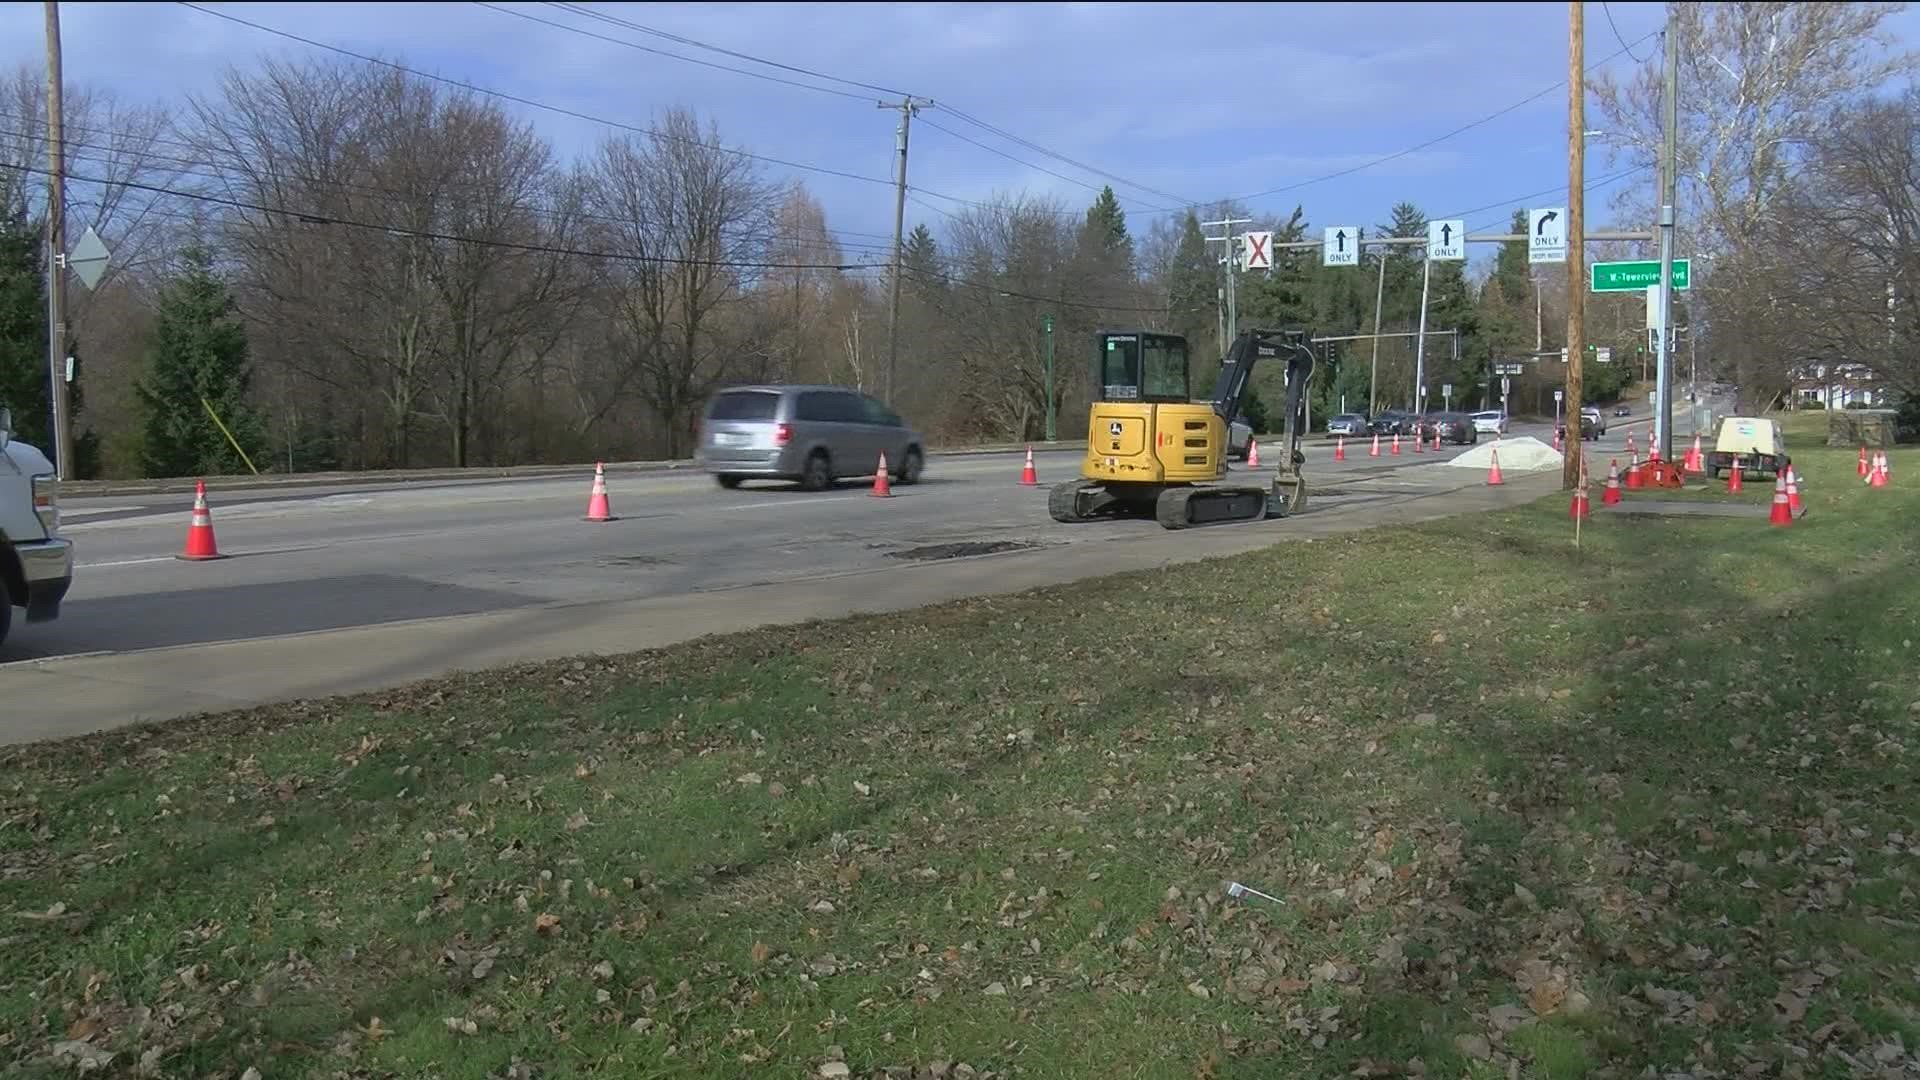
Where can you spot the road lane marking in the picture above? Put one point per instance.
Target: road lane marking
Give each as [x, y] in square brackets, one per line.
[122, 562]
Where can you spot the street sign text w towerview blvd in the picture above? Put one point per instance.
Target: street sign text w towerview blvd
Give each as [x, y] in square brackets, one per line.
[1635, 276]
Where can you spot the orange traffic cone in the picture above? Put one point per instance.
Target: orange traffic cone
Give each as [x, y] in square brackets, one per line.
[1419, 442]
[1376, 445]
[1696, 462]
[1396, 444]
[881, 487]
[1878, 477]
[1340, 448]
[1582, 507]
[1886, 466]
[1556, 439]
[1863, 468]
[1632, 454]
[1733, 477]
[200, 543]
[1436, 438]
[1635, 478]
[1611, 496]
[1493, 471]
[1782, 513]
[598, 508]
[1793, 493]
[1253, 454]
[1028, 477]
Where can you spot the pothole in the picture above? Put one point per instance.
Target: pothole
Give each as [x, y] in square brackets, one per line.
[961, 550]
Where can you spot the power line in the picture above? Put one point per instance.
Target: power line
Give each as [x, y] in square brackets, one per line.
[665, 53]
[1616, 34]
[1517, 200]
[1489, 118]
[1021, 161]
[529, 102]
[956, 112]
[429, 234]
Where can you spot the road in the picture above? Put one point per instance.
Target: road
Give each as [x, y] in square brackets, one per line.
[323, 560]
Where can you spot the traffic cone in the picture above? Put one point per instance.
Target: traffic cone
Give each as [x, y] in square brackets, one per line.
[1696, 462]
[1793, 493]
[1886, 466]
[1878, 477]
[1782, 513]
[1611, 496]
[1253, 454]
[1376, 445]
[598, 509]
[1419, 443]
[1653, 449]
[1340, 449]
[200, 543]
[1028, 477]
[1632, 454]
[1863, 469]
[1635, 478]
[1396, 444]
[881, 487]
[1436, 438]
[1733, 477]
[1556, 439]
[1582, 507]
[1493, 471]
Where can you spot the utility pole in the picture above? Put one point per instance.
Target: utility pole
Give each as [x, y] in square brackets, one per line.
[907, 106]
[1379, 300]
[1420, 343]
[1576, 231]
[1046, 322]
[1669, 173]
[1231, 327]
[57, 255]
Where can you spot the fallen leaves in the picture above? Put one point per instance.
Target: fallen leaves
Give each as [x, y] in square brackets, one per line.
[546, 923]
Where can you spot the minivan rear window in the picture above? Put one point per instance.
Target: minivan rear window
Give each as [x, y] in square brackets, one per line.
[743, 405]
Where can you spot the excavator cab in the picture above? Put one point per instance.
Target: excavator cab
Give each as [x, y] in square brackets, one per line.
[1152, 449]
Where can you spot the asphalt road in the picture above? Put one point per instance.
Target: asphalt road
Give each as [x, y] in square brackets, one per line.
[329, 558]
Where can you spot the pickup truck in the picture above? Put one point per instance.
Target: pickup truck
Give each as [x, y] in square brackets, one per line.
[36, 564]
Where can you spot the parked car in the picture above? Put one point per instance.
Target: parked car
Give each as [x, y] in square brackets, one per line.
[1452, 427]
[1239, 440]
[36, 564]
[810, 434]
[1490, 422]
[1623, 410]
[1393, 422]
[1352, 425]
[1592, 424]
[1755, 441]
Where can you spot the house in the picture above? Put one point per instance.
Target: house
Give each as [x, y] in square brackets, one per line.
[1843, 384]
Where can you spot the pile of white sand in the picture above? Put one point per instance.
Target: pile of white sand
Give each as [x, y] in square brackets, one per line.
[1524, 454]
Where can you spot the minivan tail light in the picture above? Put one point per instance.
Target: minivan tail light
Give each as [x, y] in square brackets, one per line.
[782, 434]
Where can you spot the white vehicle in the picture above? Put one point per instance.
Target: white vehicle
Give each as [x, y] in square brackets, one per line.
[36, 565]
[1490, 422]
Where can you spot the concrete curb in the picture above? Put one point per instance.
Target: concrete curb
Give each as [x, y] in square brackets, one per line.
[176, 486]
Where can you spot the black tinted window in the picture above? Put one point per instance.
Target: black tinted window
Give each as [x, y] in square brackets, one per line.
[743, 405]
[830, 407]
[877, 413]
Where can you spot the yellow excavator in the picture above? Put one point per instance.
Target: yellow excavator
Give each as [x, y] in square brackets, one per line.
[1152, 449]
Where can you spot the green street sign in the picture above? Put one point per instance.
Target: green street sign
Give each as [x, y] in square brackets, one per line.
[1635, 276]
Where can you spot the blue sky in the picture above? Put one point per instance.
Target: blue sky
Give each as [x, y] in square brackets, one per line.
[1197, 100]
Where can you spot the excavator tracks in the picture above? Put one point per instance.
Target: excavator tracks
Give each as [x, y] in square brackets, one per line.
[1192, 507]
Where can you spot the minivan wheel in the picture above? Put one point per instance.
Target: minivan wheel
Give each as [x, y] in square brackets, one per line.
[727, 480]
[911, 466]
[817, 474]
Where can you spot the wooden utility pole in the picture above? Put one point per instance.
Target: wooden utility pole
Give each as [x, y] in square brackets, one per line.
[1576, 232]
[907, 106]
[57, 256]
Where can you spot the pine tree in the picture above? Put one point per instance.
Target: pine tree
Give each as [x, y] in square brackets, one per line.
[920, 254]
[1192, 306]
[197, 358]
[1107, 223]
[23, 329]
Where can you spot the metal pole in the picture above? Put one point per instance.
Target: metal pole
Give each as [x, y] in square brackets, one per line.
[1663, 379]
[1373, 377]
[1420, 343]
[1576, 236]
[907, 107]
[57, 255]
[1049, 325]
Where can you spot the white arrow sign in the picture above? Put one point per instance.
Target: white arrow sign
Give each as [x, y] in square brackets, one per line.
[1256, 251]
[1547, 234]
[1342, 246]
[1447, 239]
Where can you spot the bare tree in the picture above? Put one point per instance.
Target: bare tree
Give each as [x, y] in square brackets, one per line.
[686, 216]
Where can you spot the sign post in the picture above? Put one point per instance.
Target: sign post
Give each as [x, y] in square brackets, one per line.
[1256, 251]
[1046, 323]
[1447, 240]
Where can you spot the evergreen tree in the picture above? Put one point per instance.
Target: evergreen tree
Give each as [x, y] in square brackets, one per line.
[1107, 224]
[920, 254]
[1192, 306]
[23, 329]
[197, 358]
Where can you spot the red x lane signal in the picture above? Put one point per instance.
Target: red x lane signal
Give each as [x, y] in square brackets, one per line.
[1259, 250]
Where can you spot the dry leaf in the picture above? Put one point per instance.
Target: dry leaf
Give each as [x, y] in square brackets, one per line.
[603, 970]
[747, 778]
[862, 788]
[761, 952]
[834, 1069]
[1473, 1046]
[995, 989]
[545, 923]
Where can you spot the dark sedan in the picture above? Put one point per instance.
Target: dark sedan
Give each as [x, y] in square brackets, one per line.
[1393, 422]
[1453, 427]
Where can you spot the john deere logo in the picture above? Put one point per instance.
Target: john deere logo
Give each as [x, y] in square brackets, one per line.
[1113, 429]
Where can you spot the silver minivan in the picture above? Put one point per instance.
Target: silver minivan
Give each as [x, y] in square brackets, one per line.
[810, 434]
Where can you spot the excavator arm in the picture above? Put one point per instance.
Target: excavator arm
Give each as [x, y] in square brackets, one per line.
[1289, 492]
